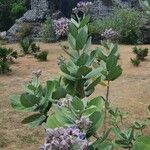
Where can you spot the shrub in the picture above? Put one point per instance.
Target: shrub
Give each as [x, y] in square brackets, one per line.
[25, 44]
[48, 31]
[127, 22]
[6, 56]
[141, 53]
[42, 56]
[34, 48]
[75, 118]
[135, 62]
[25, 31]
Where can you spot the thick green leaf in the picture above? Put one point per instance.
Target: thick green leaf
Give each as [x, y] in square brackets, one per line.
[142, 143]
[94, 73]
[87, 45]
[73, 30]
[59, 93]
[83, 59]
[83, 71]
[93, 84]
[106, 145]
[98, 102]
[84, 21]
[50, 87]
[34, 120]
[114, 73]
[81, 38]
[77, 104]
[28, 100]
[52, 122]
[97, 119]
[111, 62]
[72, 41]
[16, 104]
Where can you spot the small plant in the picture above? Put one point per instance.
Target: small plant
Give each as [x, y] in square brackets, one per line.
[25, 45]
[6, 56]
[141, 53]
[135, 62]
[42, 56]
[34, 48]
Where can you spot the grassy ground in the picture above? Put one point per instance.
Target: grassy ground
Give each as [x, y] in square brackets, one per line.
[130, 93]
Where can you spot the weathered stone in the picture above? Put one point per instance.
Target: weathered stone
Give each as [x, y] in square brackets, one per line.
[40, 9]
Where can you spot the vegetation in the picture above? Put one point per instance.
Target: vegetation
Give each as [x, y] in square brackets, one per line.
[127, 22]
[41, 56]
[34, 48]
[6, 56]
[25, 31]
[140, 53]
[135, 62]
[10, 10]
[25, 45]
[75, 119]
[48, 31]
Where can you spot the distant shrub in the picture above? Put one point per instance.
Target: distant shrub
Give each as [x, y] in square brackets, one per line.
[18, 9]
[135, 62]
[42, 56]
[141, 53]
[127, 22]
[34, 48]
[25, 31]
[6, 56]
[48, 31]
[25, 45]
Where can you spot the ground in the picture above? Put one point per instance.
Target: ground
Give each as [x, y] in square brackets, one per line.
[131, 93]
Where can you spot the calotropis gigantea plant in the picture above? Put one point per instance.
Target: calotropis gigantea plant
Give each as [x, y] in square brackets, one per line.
[62, 107]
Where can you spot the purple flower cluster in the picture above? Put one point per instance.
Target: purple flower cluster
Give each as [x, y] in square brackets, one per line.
[61, 26]
[65, 139]
[110, 34]
[84, 123]
[64, 102]
[82, 6]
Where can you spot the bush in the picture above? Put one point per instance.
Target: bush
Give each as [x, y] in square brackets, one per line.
[42, 56]
[75, 118]
[6, 56]
[25, 45]
[141, 53]
[127, 22]
[48, 31]
[34, 48]
[25, 31]
[135, 62]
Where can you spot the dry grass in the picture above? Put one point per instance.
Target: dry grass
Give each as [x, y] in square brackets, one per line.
[130, 93]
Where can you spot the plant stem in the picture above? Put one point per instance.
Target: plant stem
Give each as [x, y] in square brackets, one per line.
[106, 104]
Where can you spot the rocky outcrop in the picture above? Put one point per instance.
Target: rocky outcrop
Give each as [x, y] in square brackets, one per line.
[40, 9]
[38, 12]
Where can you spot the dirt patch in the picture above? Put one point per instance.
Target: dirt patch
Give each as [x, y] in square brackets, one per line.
[130, 93]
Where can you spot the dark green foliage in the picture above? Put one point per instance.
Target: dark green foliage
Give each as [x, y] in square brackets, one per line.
[6, 56]
[42, 56]
[34, 48]
[141, 53]
[48, 31]
[25, 45]
[135, 62]
[10, 10]
[37, 99]
[127, 22]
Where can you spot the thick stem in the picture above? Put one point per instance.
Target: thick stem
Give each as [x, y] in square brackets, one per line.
[106, 104]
